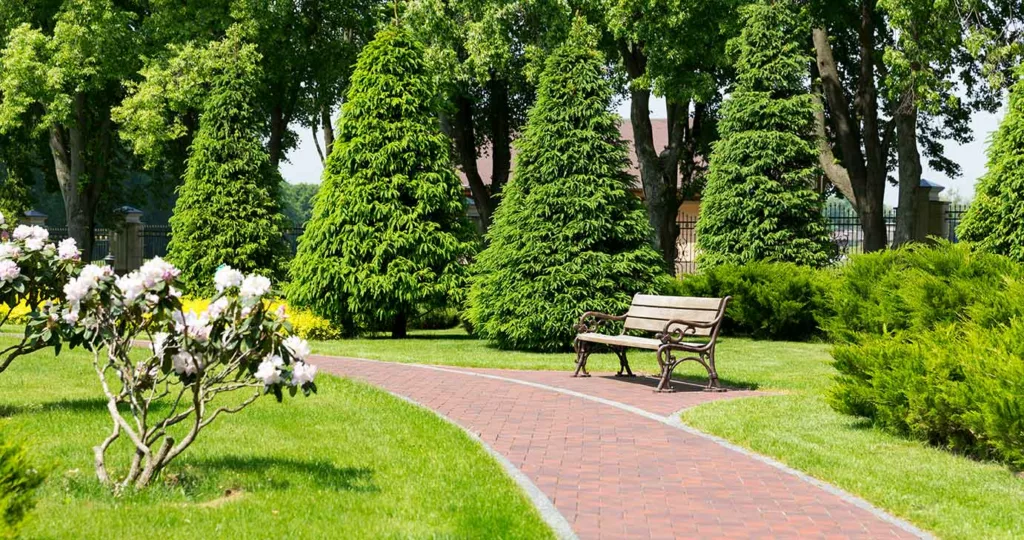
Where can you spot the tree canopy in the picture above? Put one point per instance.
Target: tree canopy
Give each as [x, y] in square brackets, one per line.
[389, 234]
[568, 235]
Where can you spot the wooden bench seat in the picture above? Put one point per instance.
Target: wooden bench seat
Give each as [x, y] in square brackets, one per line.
[674, 320]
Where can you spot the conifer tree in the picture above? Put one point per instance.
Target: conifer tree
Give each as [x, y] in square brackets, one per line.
[760, 202]
[227, 211]
[389, 234]
[568, 235]
[995, 219]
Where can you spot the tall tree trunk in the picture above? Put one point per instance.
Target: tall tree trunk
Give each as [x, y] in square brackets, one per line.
[862, 173]
[67, 145]
[501, 137]
[278, 125]
[659, 173]
[462, 130]
[909, 173]
[328, 130]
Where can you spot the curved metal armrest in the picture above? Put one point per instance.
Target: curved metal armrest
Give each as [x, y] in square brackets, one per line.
[678, 329]
[592, 320]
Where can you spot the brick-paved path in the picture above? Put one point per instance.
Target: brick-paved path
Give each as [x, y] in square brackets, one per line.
[617, 468]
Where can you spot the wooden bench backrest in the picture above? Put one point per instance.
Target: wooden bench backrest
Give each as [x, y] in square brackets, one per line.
[651, 313]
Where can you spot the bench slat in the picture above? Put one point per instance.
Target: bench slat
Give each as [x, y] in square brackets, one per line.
[656, 325]
[668, 314]
[679, 302]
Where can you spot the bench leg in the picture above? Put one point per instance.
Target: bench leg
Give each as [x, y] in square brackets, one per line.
[582, 354]
[667, 363]
[713, 385]
[623, 363]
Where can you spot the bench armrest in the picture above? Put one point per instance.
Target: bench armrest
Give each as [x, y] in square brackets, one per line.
[591, 321]
[677, 329]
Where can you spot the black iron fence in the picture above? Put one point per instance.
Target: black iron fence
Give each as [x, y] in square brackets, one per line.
[842, 221]
[100, 244]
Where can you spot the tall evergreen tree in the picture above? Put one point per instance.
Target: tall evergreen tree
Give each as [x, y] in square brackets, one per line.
[568, 235]
[389, 234]
[760, 202]
[227, 210]
[995, 219]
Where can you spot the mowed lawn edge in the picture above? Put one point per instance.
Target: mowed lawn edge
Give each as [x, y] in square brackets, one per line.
[350, 462]
[949, 495]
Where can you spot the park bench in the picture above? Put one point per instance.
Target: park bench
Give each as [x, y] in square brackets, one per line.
[675, 322]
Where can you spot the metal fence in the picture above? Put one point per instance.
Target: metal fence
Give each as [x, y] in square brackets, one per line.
[100, 244]
[843, 222]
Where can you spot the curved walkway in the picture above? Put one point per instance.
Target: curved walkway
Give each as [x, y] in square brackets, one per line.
[616, 462]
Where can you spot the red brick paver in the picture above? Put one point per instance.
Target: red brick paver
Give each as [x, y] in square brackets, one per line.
[616, 473]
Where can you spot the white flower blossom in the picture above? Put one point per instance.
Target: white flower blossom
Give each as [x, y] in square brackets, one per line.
[268, 372]
[303, 374]
[185, 363]
[67, 250]
[131, 286]
[175, 293]
[2, 222]
[25, 232]
[34, 244]
[71, 316]
[216, 309]
[156, 270]
[254, 286]
[227, 277]
[160, 343]
[9, 271]
[298, 347]
[9, 251]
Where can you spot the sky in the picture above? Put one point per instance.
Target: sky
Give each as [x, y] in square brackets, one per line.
[303, 165]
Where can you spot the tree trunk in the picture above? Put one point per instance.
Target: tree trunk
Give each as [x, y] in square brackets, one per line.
[328, 129]
[501, 137]
[67, 145]
[909, 173]
[399, 326]
[464, 134]
[659, 174]
[275, 146]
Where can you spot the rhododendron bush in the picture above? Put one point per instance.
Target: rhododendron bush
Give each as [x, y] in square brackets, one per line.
[196, 368]
[32, 272]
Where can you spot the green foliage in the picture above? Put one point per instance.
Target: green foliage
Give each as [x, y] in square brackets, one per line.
[227, 210]
[777, 301]
[297, 202]
[760, 202]
[930, 344]
[568, 236]
[388, 235]
[917, 288]
[19, 479]
[958, 386]
[994, 218]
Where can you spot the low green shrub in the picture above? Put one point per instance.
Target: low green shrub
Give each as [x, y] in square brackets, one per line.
[19, 479]
[929, 344]
[916, 288]
[959, 386]
[779, 301]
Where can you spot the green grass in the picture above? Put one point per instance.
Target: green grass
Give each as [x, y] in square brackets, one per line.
[351, 462]
[952, 496]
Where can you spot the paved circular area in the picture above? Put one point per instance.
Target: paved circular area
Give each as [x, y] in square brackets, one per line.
[613, 459]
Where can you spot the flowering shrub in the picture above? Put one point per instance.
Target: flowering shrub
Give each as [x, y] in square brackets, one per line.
[195, 362]
[304, 323]
[32, 270]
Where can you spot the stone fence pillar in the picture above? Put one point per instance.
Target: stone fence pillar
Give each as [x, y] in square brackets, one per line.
[126, 241]
[931, 219]
[34, 218]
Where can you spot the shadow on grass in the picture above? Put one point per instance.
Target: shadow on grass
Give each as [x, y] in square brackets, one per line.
[69, 405]
[685, 383]
[278, 472]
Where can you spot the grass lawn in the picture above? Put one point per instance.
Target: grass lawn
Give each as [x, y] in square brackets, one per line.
[951, 496]
[352, 462]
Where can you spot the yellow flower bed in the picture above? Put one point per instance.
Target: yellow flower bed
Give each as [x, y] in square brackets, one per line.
[305, 324]
[19, 315]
